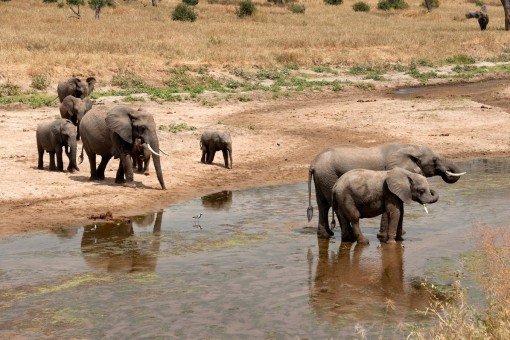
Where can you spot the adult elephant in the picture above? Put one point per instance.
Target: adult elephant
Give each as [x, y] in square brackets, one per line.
[112, 134]
[333, 162]
[76, 87]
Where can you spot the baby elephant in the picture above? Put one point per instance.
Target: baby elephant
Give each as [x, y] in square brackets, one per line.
[365, 193]
[51, 137]
[74, 109]
[212, 141]
[141, 156]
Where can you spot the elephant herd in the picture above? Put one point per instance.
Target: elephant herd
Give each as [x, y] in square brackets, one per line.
[120, 132]
[355, 182]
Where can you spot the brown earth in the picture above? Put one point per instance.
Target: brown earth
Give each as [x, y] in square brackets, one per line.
[274, 142]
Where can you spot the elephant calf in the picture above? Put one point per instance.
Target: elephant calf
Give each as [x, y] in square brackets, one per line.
[74, 109]
[212, 141]
[51, 137]
[141, 156]
[366, 193]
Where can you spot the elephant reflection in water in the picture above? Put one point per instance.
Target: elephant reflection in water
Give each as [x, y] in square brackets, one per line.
[218, 201]
[346, 286]
[114, 247]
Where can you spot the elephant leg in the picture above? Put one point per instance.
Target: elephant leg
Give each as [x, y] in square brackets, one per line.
[204, 155]
[40, 152]
[347, 233]
[393, 220]
[78, 132]
[225, 157]
[140, 165]
[323, 205]
[102, 167]
[357, 232]
[52, 161]
[92, 162]
[210, 157]
[60, 162]
[119, 178]
[135, 161]
[382, 235]
[400, 231]
[127, 165]
[146, 166]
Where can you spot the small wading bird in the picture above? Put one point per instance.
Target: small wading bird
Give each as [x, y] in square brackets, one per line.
[196, 221]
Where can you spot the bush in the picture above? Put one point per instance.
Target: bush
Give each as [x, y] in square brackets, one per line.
[40, 82]
[432, 3]
[183, 12]
[246, 8]
[333, 2]
[48, 1]
[386, 5]
[361, 6]
[297, 8]
[190, 2]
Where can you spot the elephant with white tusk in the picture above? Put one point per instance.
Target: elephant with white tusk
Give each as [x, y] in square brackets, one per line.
[333, 162]
[365, 193]
[113, 134]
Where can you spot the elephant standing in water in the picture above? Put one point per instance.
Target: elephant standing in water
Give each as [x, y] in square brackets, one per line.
[332, 163]
[212, 141]
[113, 134]
[75, 87]
[74, 109]
[52, 137]
[363, 193]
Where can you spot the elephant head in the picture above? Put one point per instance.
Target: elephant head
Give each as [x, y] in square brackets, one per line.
[76, 87]
[409, 186]
[74, 109]
[422, 160]
[129, 124]
[65, 133]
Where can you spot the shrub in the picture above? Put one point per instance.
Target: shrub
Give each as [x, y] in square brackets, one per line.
[183, 12]
[297, 8]
[333, 2]
[190, 2]
[40, 82]
[432, 3]
[48, 1]
[386, 5]
[361, 6]
[246, 8]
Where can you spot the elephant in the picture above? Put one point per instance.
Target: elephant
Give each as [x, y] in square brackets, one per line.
[212, 141]
[333, 162]
[51, 137]
[113, 134]
[361, 193]
[74, 109]
[114, 247]
[141, 156]
[76, 87]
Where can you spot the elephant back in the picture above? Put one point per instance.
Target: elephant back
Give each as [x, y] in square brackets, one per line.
[95, 134]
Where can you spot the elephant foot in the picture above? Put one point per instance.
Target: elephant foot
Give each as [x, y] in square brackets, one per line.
[324, 232]
[391, 241]
[399, 238]
[94, 178]
[129, 185]
[348, 239]
[53, 169]
[382, 237]
[363, 240]
[120, 181]
[40, 167]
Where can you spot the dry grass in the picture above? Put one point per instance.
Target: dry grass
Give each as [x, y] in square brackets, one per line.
[146, 41]
[458, 319]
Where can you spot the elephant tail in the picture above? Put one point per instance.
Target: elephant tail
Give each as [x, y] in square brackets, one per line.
[80, 159]
[333, 205]
[309, 211]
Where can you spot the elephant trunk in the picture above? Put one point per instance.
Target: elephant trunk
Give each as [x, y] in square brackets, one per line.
[449, 172]
[434, 196]
[73, 147]
[156, 159]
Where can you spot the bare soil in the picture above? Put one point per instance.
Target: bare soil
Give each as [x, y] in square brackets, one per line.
[274, 142]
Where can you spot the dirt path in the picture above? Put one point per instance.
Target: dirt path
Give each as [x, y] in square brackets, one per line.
[274, 142]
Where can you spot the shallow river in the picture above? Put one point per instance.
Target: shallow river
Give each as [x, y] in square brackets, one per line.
[254, 268]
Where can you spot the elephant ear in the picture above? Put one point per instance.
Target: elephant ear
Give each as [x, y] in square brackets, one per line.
[91, 81]
[399, 182]
[56, 130]
[88, 104]
[407, 158]
[119, 121]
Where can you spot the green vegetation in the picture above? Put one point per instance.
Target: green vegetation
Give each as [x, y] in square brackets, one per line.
[40, 82]
[183, 12]
[35, 100]
[297, 8]
[245, 8]
[175, 128]
[333, 2]
[190, 2]
[423, 77]
[460, 59]
[386, 5]
[361, 6]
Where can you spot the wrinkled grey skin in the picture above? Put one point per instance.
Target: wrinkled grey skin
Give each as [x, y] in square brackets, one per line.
[74, 109]
[76, 87]
[363, 193]
[333, 162]
[112, 134]
[52, 137]
[141, 156]
[212, 141]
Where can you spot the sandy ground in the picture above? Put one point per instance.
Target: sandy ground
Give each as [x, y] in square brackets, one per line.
[274, 142]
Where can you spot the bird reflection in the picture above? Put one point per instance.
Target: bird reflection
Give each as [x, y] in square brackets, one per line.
[349, 286]
[113, 246]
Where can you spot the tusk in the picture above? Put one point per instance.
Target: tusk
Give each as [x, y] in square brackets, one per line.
[154, 152]
[163, 152]
[425, 207]
[454, 174]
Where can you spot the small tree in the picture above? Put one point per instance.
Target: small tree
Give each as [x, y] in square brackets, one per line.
[246, 8]
[98, 5]
[74, 6]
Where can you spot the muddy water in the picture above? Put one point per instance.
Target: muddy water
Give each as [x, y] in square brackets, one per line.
[490, 92]
[253, 268]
